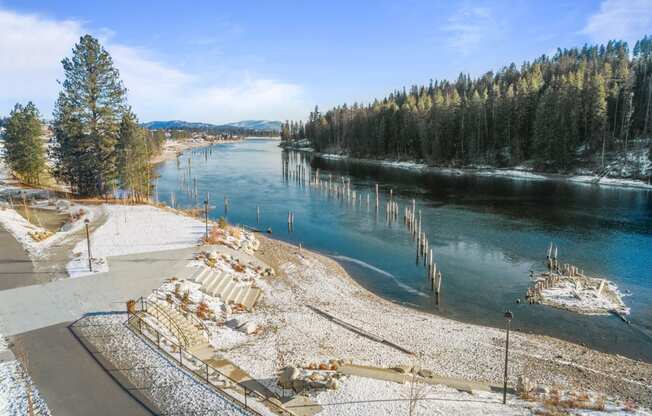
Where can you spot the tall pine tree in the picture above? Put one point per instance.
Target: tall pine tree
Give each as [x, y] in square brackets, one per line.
[87, 119]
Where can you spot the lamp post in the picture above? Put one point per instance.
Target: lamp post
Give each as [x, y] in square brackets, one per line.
[88, 245]
[206, 218]
[508, 317]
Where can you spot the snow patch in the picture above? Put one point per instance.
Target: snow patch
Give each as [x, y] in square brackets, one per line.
[131, 229]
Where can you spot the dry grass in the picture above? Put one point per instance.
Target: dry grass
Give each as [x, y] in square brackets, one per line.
[202, 311]
[215, 235]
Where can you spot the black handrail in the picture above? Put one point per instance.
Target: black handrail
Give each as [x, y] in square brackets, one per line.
[138, 329]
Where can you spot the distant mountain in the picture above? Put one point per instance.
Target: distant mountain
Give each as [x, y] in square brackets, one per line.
[257, 125]
[262, 125]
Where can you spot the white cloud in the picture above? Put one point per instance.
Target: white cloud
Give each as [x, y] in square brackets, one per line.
[469, 26]
[32, 47]
[626, 20]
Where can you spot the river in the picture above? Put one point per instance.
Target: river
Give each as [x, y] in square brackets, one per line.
[487, 234]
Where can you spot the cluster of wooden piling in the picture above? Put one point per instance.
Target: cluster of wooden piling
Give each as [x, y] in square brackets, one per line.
[554, 275]
[534, 293]
[413, 223]
[295, 169]
[340, 188]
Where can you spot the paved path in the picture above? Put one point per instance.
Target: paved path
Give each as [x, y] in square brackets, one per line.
[389, 374]
[28, 308]
[69, 379]
[16, 268]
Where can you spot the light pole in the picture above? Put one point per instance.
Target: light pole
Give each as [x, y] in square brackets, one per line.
[88, 245]
[508, 317]
[206, 218]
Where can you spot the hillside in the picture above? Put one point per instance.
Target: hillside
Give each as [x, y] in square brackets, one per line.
[253, 125]
[573, 110]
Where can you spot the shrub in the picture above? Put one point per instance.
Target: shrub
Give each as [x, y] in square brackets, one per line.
[202, 311]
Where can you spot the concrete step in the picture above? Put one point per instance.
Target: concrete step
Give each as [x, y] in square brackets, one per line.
[197, 273]
[209, 280]
[239, 297]
[203, 275]
[214, 283]
[237, 292]
[228, 294]
[227, 287]
[252, 297]
[202, 350]
[225, 278]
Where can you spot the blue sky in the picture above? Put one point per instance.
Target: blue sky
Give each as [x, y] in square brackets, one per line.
[220, 61]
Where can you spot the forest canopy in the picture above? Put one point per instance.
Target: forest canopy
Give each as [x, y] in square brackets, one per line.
[581, 101]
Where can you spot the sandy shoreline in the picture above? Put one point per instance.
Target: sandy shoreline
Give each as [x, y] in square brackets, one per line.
[173, 148]
[293, 334]
[447, 347]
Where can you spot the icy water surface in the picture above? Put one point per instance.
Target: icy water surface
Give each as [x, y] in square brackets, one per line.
[487, 234]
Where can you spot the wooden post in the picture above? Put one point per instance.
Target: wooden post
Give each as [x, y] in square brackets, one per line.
[257, 214]
[377, 197]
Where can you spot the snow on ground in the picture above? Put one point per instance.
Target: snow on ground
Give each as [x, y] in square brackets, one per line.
[292, 334]
[17, 389]
[131, 229]
[595, 180]
[571, 294]
[172, 389]
[519, 172]
[20, 228]
[363, 396]
[359, 396]
[511, 173]
[219, 335]
[228, 325]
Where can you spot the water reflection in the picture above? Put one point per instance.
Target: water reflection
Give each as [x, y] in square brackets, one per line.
[486, 233]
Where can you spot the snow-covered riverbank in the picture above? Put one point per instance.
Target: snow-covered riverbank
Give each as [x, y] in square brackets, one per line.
[515, 173]
[293, 334]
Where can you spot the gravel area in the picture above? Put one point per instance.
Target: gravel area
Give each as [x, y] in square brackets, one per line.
[172, 389]
[295, 335]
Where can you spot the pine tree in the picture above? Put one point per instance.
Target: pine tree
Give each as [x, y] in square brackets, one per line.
[24, 152]
[87, 119]
[132, 158]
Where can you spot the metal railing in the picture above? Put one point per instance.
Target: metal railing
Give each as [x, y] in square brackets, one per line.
[200, 368]
[186, 314]
[162, 316]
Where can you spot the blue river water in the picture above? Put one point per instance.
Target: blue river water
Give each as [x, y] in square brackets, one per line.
[487, 233]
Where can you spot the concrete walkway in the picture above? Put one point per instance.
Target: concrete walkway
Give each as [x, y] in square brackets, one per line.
[16, 267]
[69, 379]
[28, 308]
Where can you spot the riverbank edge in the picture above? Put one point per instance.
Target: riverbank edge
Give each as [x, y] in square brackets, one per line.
[541, 347]
[543, 342]
[509, 173]
[171, 153]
